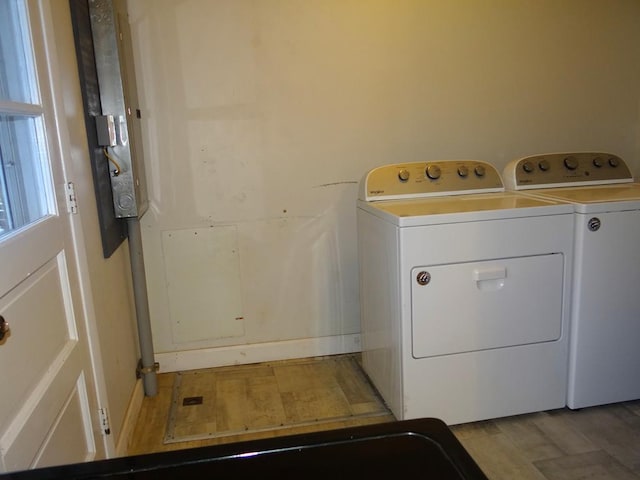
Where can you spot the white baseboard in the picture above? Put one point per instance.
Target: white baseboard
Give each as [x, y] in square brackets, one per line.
[130, 419]
[257, 352]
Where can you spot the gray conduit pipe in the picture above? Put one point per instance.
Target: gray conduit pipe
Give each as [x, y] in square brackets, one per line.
[143, 317]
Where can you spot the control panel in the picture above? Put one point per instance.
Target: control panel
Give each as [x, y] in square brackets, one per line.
[566, 169]
[426, 179]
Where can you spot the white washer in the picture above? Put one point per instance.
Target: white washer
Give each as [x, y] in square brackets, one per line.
[604, 360]
[464, 292]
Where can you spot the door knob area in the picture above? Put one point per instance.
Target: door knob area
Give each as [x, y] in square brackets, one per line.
[4, 328]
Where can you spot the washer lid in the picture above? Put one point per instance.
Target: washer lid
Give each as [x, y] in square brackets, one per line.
[596, 199]
[464, 208]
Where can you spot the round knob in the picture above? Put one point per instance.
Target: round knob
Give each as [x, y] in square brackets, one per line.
[423, 278]
[528, 166]
[614, 162]
[463, 171]
[479, 170]
[403, 175]
[433, 172]
[4, 328]
[571, 163]
[543, 165]
[594, 224]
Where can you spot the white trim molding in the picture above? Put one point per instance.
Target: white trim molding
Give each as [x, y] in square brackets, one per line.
[130, 419]
[257, 352]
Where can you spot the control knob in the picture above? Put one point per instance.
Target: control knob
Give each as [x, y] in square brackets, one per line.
[463, 171]
[4, 328]
[527, 166]
[597, 162]
[479, 171]
[543, 165]
[403, 175]
[571, 163]
[613, 161]
[433, 172]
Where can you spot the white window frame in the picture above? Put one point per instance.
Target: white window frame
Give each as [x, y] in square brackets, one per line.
[26, 193]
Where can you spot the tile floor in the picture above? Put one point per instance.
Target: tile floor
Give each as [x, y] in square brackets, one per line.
[599, 443]
[592, 443]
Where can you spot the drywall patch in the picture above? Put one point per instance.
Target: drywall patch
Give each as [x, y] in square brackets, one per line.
[202, 273]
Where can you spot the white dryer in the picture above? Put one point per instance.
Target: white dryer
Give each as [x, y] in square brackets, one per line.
[464, 292]
[604, 360]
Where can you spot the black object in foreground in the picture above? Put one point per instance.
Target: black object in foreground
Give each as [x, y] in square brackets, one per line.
[423, 448]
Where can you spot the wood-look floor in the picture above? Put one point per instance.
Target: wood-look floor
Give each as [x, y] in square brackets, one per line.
[599, 443]
[151, 426]
[225, 401]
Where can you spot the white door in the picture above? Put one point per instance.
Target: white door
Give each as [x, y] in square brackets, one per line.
[47, 389]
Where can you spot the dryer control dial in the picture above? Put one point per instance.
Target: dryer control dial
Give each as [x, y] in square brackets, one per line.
[528, 167]
[565, 169]
[571, 163]
[433, 172]
[426, 179]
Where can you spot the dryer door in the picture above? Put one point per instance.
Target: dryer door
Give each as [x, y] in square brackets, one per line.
[473, 306]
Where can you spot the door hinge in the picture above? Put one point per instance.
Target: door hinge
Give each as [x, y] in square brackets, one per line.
[70, 195]
[104, 421]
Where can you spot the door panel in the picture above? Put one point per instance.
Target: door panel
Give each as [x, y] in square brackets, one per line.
[47, 398]
[22, 253]
[40, 333]
[58, 408]
[48, 394]
[490, 304]
[70, 440]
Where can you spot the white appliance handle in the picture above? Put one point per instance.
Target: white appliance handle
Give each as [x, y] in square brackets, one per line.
[495, 273]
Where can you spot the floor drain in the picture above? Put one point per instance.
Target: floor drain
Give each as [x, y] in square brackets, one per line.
[188, 401]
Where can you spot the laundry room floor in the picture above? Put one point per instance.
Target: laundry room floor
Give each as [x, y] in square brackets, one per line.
[246, 402]
[592, 443]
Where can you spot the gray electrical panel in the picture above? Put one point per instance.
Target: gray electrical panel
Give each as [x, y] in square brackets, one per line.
[118, 128]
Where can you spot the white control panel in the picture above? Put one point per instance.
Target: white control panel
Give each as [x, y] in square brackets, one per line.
[566, 170]
[427, 179]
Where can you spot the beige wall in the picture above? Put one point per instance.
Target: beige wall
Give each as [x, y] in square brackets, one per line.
[260, 118]
[110, 300]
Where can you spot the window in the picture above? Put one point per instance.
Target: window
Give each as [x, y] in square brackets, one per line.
[25, 194]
